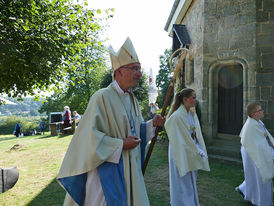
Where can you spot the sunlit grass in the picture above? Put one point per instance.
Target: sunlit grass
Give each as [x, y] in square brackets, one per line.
[38, 160]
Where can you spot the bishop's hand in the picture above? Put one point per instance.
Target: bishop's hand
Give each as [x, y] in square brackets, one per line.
[131, 142]
[158, 121]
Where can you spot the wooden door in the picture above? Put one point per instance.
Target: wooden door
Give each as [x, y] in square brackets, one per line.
[230, 99]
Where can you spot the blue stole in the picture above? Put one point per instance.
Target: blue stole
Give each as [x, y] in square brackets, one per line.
[75, 186]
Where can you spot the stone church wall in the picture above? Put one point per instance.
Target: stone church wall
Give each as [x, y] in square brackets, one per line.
[265, 60]
[231, 32]
[229, 38]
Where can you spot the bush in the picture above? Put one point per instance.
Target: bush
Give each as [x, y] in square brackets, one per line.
[162, 132]
[28, 123]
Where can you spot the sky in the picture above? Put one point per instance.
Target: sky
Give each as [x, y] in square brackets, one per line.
[143, 21]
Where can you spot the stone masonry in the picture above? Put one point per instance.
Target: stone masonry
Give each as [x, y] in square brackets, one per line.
[231, 32]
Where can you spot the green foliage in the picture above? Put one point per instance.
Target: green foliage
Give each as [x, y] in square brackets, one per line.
[141, 93]
[106, 79]
[163, 133]
[39, 41]
[83, 81]
[164, 76]
[82, 84]
[8, 123]
[54, 103]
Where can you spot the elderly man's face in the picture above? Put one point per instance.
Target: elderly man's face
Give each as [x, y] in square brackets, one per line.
[131, 74]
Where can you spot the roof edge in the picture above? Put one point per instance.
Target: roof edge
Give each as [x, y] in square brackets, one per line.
[174, 7]
[178, 11]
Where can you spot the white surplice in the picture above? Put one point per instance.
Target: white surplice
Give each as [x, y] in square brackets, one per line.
[183, 187]
[256, 153]
[253, 188]
[183, 190]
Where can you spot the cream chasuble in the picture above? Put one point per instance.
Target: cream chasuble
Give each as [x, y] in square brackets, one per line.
[99, 135]
[186, 154]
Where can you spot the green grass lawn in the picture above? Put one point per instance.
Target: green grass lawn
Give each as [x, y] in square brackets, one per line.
[38, 161]
[39, 157]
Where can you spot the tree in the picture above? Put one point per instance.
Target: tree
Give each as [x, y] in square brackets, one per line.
[81, 83]
[39, 40]
[164, 76]
[77, 96]
[85, 80]
[106, 79]
[141, 93]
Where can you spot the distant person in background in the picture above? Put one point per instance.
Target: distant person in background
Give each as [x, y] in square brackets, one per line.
[33, 132]
[257, 154]
[42, 127]
[66, 117]
[18, 129]
[153, 110]
[76, 117]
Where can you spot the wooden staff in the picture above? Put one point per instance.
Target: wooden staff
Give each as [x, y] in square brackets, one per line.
[168, 96]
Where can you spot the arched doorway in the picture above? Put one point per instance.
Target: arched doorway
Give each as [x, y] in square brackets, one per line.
[230, 99]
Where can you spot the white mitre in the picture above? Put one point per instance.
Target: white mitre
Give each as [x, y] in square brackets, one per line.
[125, 55]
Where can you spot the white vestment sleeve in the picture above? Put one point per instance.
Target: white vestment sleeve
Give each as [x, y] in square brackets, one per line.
[94, 192]
[115, 157]
[150, 130]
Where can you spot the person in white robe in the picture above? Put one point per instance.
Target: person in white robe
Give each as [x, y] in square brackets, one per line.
[102, 165]
[187, 150]
[257, 154]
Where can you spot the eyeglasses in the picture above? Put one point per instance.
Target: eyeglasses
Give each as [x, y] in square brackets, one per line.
[135, 68]
[260, 110]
